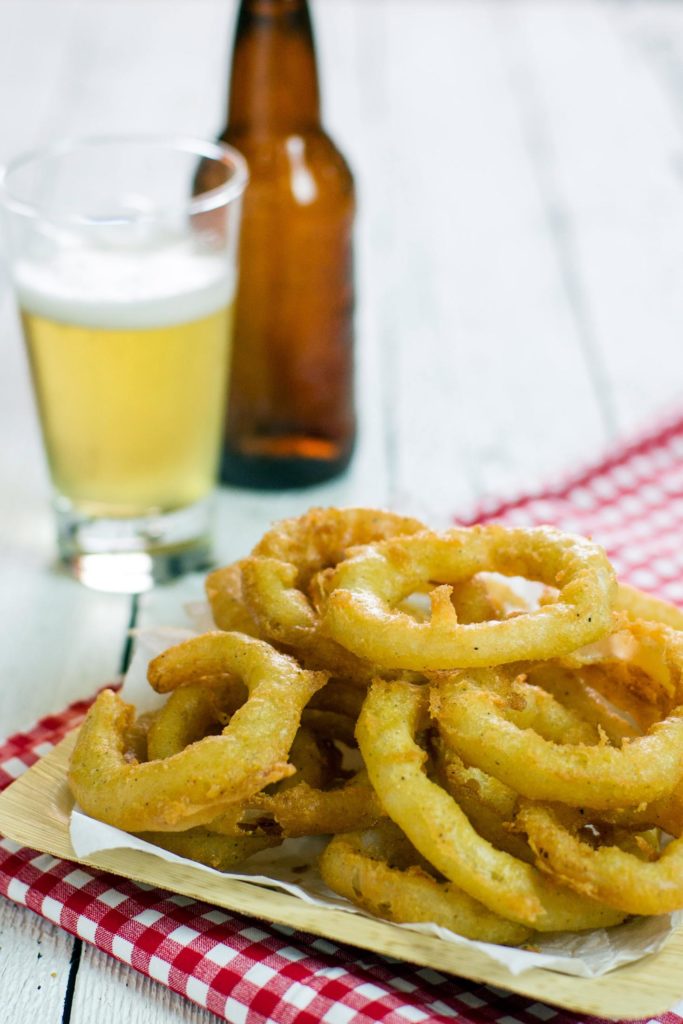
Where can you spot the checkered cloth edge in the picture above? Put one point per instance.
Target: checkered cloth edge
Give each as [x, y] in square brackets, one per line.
[631, 502]
[248, 972]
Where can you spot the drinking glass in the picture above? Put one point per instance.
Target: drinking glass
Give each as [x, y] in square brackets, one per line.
[125, 280]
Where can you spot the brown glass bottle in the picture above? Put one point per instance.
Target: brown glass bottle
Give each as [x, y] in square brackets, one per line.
[290, 419]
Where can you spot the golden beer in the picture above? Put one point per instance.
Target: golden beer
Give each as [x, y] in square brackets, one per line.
[125, 278]
[130, 416]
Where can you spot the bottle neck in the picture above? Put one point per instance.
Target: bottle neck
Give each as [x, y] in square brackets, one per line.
[274, 81]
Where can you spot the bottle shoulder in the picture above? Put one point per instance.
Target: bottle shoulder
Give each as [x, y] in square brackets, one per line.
[302, 158]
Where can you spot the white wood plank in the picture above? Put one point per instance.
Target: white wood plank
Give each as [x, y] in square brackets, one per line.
[107, 990]
[34, 966]
[61, 642]
[145, 66]
[487, 367]
[615, 144]
[32, 59]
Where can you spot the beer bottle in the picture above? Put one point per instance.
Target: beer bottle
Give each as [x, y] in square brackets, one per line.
[290, 419]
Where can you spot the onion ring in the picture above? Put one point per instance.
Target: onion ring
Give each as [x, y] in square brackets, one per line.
[189, 713]
[526, 705]
[666, 814]
[224, 593]
[363, 591]
[572, 688]
[194, 786]
[195, 710]
[300, 806]
[612, 875]
[480, 725]
[644, 665]
[483, 597]
[639, 605]
[331, 725]
[220, 852]
[489, 804]
[276, 578]
[305, 810]
[392, 715]
[136, 739]
[379, 871]
[321, 537]
[339, 696]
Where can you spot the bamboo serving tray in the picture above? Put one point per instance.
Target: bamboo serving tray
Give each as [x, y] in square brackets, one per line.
[34, 811]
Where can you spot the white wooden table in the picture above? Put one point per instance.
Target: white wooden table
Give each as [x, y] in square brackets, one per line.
[520, 272]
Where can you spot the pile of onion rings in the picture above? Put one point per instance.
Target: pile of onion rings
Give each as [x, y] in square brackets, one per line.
[501, 758]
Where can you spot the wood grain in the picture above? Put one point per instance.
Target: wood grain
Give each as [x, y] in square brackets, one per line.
[34, 964]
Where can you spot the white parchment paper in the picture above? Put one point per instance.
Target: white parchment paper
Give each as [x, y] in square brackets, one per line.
[292, 866]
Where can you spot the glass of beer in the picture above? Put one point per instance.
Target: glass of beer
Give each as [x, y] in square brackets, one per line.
[125, 277]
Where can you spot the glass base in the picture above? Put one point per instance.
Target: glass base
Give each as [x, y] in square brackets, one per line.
[132, 555]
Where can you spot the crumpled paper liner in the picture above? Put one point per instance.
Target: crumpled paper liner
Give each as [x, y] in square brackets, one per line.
[292, 866]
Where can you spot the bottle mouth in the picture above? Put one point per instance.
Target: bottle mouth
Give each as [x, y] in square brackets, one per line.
[275, 6]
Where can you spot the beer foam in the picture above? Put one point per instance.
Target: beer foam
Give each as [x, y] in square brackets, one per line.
[116, 289]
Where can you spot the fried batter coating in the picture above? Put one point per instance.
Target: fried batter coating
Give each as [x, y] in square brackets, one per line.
[195, 785]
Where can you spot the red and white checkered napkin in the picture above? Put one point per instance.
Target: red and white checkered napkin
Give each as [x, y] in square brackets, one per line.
[632, 503]
[246, 971]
